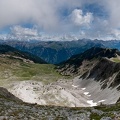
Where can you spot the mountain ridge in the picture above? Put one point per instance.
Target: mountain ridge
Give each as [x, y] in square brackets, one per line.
[52, 51]
[8, 50]
[97, 70]
[94, 53]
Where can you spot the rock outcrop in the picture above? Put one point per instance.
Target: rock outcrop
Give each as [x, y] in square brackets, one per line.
[4, 93]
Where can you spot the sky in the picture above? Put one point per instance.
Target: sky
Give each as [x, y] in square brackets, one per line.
[59, 19]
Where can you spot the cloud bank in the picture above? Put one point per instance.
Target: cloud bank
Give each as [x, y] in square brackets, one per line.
[61, 16]
[46, 14]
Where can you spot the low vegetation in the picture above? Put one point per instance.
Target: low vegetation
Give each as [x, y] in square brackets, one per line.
[16, 69]
[117, 60]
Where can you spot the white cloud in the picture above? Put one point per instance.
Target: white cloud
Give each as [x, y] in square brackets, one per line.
[47, 15]
[44, 13]
[25, 34]
[20, 31]
[115, 33]
[79, 19]
[113, 8]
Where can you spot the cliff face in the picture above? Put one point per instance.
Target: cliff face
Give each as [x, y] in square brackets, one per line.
[97, 71]
[104, 71]
[87, 60]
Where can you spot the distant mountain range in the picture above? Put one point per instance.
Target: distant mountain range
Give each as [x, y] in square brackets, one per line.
[96, 81]
[55, 52]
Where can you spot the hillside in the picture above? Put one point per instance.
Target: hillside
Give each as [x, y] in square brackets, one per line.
[4, 93]
[98, 63]
[95, 81]
[16, 65]
[53, 51]
[97, 70]
[6, 50]
[12, 109]
[86, 60]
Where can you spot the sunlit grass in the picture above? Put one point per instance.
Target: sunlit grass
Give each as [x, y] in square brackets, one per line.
[13, 69]
[117, 60]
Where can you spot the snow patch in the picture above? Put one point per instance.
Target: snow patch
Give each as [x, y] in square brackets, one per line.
[83, 88]
[91, 103]
[101, 101]
[74, 86]
[86, 93]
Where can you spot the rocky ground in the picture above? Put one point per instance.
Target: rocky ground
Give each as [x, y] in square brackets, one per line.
[70, 93]
[41, 101]
[40, 90]
[60, 93]
[13, 110]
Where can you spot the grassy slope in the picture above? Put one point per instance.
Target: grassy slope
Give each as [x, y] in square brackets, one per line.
[16, 69]
[117, 60]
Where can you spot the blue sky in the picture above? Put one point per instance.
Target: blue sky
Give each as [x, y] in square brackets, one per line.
[59, 19]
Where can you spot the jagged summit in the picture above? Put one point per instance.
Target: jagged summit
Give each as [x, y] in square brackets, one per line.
[94, 53]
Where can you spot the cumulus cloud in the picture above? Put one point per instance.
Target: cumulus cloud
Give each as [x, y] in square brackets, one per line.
[20, 31]
[60, 16]
[36, 11]
[112, 6]
[44, 13]
[79, 19]
[108, 27]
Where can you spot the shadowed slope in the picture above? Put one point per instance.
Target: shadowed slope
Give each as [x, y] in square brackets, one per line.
[87, 59]
[7, 50]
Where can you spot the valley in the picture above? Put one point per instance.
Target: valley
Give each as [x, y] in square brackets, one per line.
[52, 51]
[59, 60]
[77, 86]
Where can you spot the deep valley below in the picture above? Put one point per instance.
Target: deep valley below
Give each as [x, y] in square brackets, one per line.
[85, 87]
